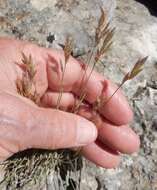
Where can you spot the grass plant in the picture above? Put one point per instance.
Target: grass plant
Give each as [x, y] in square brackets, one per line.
[32, 166]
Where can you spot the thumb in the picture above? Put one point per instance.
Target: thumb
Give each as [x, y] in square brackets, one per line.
[24, 125]
[54, 129]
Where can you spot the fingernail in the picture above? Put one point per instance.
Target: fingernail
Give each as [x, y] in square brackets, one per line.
[86, 132]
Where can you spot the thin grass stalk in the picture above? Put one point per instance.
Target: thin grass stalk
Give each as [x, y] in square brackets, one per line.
[83, 94]
[106, 101]
[103, 37]
[130, 75]
[75, 107]
[67, 53]
[61, 88]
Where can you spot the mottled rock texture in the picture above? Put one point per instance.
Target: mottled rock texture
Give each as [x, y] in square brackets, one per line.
[136, 36]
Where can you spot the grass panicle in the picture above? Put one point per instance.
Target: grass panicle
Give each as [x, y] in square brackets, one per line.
[138, 67]
[103, 40]
[26, 85]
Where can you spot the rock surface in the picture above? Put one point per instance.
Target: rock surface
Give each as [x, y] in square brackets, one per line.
[136, 36]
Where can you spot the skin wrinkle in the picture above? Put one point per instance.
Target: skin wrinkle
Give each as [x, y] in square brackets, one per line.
[8, 67]
[6, 148]
[55, 126]
[5, 74]
[11, 123]
[32, 127]
[4, 120]
[45, 136]
[4, 143]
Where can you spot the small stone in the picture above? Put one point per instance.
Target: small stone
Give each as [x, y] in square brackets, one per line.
[50, 38]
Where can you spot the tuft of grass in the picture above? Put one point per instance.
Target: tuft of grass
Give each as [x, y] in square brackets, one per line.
[28, 167]
[32, 167]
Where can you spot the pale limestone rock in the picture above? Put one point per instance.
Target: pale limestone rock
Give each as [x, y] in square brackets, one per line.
[42, 4]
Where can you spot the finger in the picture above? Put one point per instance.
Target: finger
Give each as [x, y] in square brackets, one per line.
[55, 67]
[51, 99]
[56, 129]
[27, 126]
[13, 112]
[117, 109]
[101, 155]
[122, 139]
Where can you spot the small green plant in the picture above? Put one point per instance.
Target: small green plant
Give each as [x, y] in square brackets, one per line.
[31, 166]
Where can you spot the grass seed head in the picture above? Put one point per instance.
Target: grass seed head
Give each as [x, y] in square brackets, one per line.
[26, 85]
[68, 47]
[138, 67]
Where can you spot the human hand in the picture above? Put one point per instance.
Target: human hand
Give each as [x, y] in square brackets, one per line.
[25, 125]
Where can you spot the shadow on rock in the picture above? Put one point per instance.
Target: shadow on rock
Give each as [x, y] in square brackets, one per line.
[151, 5]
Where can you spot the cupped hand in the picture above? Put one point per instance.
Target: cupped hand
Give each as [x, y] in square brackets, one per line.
[25, 125]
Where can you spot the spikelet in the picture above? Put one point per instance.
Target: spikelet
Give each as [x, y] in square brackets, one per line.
[26, 85]
[138, 67]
